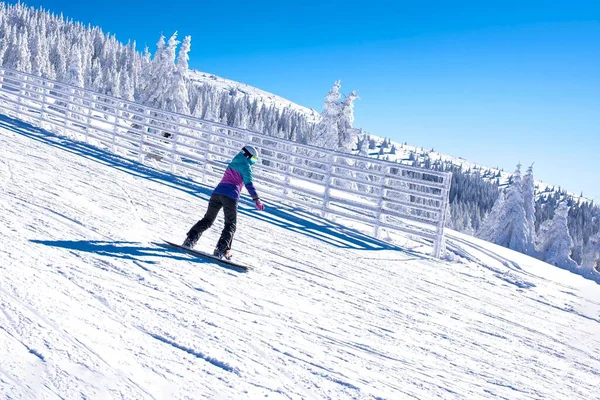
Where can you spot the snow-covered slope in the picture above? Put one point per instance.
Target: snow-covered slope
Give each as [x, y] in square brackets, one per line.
[91, 308]
[407, 154]
[242, 89]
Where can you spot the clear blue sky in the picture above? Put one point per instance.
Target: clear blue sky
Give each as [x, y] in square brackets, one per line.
[494, 82]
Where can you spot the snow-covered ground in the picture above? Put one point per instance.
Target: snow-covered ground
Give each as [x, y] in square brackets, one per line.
[91, 308]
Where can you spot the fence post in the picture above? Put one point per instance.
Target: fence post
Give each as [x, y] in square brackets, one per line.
[327, 194]
[211, 131]
[20, 96]
[288, 164]
[67, 108]
[43, 105]
[116, 126]
[174, 139]
[438, 245]
[89, 117]
[380, 203]
[145, 128]
[40, 82]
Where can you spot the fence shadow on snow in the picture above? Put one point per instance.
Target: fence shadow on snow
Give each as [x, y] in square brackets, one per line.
[284, 216]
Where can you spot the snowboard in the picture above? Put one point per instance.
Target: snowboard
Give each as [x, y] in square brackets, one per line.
[198, 253]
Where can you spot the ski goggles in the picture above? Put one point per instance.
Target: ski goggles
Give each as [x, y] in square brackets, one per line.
[253, 159]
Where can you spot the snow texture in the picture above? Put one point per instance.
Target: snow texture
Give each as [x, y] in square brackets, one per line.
[90, 308]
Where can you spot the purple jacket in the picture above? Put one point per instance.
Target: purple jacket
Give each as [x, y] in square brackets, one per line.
[237, 174]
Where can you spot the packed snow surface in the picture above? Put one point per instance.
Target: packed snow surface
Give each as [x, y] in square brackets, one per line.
[91, 308]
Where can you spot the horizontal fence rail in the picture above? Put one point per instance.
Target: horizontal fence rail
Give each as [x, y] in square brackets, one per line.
[354, 189]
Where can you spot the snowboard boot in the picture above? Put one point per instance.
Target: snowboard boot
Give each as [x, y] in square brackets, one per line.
[190, 241]
[222, 254]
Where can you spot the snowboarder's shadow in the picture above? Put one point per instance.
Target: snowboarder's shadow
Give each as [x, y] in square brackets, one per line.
[133, 251]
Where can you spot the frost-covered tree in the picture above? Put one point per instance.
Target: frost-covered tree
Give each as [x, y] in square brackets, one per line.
[96, 76]
[40, 62]
[74, 73]
[529, 206]
[591, 257]
[127, 88]
[22, 60]
[179, 85]
[346, 131]
[183, 58]
[326, 132]
[154, 76]
[509, 226]
[372, 144]
[362, 146]
[490, 227]
[556, 242]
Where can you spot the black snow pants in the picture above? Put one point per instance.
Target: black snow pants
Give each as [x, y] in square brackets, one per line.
[229, 206]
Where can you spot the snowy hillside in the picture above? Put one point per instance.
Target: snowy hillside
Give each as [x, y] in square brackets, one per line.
[91, 308]
[242, 89]
[405, 153]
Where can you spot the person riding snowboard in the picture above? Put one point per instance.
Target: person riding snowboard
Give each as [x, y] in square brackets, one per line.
[226, 195]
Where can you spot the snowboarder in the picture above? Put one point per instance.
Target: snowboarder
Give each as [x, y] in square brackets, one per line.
[226, 195]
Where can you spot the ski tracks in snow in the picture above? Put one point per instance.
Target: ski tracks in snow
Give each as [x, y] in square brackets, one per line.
[100, 312]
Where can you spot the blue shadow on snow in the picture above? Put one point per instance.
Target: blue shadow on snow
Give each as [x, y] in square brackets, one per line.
[131, 251]
[287, 217]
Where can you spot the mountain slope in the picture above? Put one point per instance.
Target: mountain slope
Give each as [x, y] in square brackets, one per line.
[264, 97]
[91, 308]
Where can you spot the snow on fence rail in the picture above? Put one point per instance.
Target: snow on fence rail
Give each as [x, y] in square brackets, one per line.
[356, 189]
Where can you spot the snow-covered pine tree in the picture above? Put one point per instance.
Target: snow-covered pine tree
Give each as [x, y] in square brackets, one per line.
[74, 73]
[151, 78]
[490, 227]
[40, 63]
[143, 75]
[363, 144]
[511, 229]
[58, 58]
[127, 89]
[372, 144]
[180, 95]
[96, 76]
[346, 131]
[529, 205]
[556, 242]
[22, 61]
[326, 133]
[591, 256]
[211, 109]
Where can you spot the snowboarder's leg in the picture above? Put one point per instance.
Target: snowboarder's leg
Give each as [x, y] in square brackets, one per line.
[214, 205]
[230, 211]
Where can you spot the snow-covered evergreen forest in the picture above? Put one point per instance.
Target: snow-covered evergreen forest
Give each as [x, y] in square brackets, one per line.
[51, 46]
[516, 212]
[510, 210]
